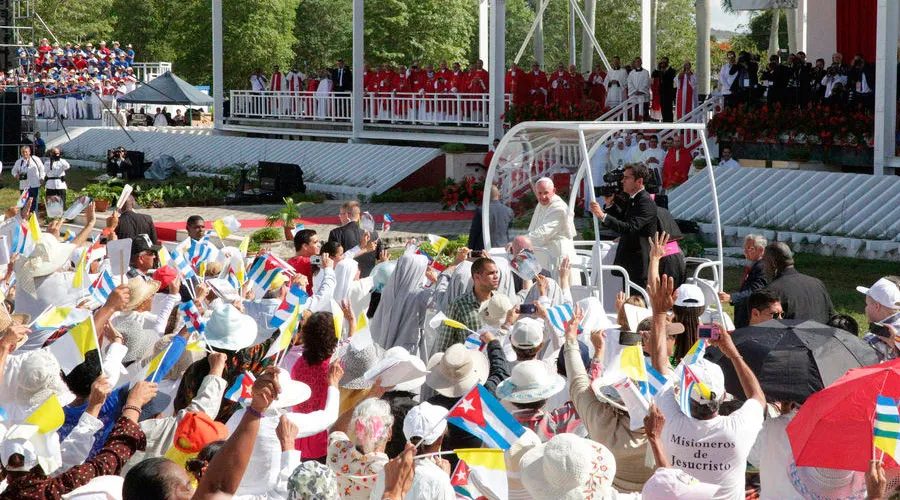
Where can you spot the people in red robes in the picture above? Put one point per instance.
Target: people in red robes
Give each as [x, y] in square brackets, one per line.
[443, 71]
[578, 84]
[536, 81]
[401, 90]
[514, 83]
[677, 163]
[597, 82]
[686, 96]
[560, 86]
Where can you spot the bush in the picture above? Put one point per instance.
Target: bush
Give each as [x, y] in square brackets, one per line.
[420, 195]
[267, 234]
[183, 191]
[448, 254]
[453, 148]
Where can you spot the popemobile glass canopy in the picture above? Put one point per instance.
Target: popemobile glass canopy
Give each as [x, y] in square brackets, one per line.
[530, 150]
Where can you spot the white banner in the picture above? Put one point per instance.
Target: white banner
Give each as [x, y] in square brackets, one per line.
[763, 4]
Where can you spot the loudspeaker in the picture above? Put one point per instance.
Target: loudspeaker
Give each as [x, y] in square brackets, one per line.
[11, 121]
[283, 179]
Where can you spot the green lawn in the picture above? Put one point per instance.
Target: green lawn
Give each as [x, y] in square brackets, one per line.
[76, 178]
[841, 276]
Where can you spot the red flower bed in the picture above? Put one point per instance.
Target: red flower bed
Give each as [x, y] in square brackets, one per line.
[777, 125]
[458, 195]
[587, 110]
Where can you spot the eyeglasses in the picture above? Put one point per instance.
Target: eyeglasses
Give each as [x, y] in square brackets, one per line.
[778, 315]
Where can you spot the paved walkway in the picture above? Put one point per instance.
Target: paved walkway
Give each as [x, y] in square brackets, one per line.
[399, 230]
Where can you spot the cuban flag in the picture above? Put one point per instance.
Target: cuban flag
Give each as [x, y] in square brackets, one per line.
[473, 341]
[386, 223]
[22, 200]
[241, 391]
[560, 315]
[19, 238]
[102, 287]
[200, 251]
[656, 382]
[233, 280]
[182, 265]
[689, 382]
[264, 270]
[480, 414]
[296, 297]
[192, 318]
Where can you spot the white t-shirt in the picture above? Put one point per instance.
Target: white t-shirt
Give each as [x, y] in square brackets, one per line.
[781, 478]
[430, 482]
[714, 451]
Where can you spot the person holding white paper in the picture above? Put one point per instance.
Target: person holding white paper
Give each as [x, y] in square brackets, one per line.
[55, 166]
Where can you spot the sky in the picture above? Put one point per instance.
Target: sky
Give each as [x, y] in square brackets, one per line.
[722, 21]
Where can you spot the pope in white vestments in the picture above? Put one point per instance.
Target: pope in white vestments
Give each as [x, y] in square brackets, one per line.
[552, 226]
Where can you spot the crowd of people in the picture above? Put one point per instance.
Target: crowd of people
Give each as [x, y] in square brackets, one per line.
[72, 81]
[792, 81]
[346, 372]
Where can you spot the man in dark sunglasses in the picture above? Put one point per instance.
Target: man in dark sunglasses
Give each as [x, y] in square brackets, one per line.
[764, 306]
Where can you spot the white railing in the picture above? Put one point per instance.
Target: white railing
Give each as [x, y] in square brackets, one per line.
[394, 107]
[627, 110]
[333, 107]
[146, 71]
[554, 156]
[700, 114]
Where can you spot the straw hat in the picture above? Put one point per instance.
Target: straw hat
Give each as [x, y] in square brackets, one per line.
[141, 291]
[48, 257]
[359, 355]
[230, 330]
[455, 371]
[39, 379]
[494, 313]
[568, 467]
[137, 339]
[529, 382]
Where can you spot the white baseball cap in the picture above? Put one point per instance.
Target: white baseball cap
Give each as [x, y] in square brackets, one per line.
[527, 333]
[426, 421]
[884, 291]
[710, 375]
[690, 295]
[668, 482]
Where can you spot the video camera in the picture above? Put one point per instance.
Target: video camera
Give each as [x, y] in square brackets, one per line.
[613, 183]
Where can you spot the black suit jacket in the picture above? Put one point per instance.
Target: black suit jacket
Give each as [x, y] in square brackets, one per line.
[348, 236]
[132, 224]
[342, 86]
[802, 296]
[755, 280]
[635, 223]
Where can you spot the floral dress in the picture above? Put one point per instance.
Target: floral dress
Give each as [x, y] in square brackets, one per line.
[356, 472]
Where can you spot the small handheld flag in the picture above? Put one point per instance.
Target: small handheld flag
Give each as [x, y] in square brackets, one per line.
[241, 391]
[34, 229]
[386, 224]
[287, 329]
[480, 414]
[486, 468]
[81, 269]
[226, 226]
[192, 318]
[48, 417]
[72, 348]
[887, 426]
[102, 287]
[22, 200]
[437, 243]
[560, 315]
[689, 382]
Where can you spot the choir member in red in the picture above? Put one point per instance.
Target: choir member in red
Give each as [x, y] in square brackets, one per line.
[578, 84]
[478, 84]
[597, 81]
[443, 71]
[402, 92]
[560, 86]
[515, 84]
[686, 98]
[677, 164]
[537, 85]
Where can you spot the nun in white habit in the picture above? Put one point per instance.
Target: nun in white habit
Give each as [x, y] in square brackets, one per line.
[404, 300]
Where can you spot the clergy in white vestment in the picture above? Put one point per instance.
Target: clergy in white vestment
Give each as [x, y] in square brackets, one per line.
[725, 76]
[618, 154]
[552, 226]
[686, 96]
[616, 81]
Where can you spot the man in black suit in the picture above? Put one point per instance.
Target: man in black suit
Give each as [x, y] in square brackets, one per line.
[666, 76]
[349, 235]
[131, 224]
[801, 296]
[634, 220]
[118, 164]
[861, 81]
[754, 279]
[341, 78]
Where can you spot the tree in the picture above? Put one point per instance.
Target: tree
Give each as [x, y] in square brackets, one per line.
[759, 27]
[75, 20]
[332, 38]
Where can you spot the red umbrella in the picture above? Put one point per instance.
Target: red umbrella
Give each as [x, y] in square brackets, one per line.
[834, 427]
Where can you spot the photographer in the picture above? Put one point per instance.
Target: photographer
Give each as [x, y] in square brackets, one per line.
[834, 83]
[862, 83]
[118, 165]
[632, 214]
[56, 167]
[30, 171]
[745, 80]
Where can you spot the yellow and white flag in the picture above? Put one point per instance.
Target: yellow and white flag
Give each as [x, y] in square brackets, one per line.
[437, 242]
[226, 226]
[72, 348]
[48, 416]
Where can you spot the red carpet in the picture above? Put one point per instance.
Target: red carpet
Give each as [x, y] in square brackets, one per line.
[166, 230]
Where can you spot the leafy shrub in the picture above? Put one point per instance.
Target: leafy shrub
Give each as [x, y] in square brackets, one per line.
[267, 234]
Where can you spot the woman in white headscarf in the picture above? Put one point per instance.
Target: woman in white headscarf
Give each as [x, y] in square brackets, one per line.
[401, 313]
